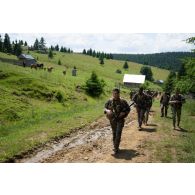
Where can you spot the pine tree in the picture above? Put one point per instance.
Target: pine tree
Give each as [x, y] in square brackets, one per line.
[84, 51]
[125, 66]
[147, 71]
[68, 50]
[50, 55]
[42, 44]
[17, 49]
[36, 45]
[61, 49]
[170, 82]
[21, 42]
[25, 43]
[52, 48]
[94, 53]
[57, 47]
[59, 62]
[101, 59]
[6, 44]
[94, 86]
[90, 52]
[98, 54]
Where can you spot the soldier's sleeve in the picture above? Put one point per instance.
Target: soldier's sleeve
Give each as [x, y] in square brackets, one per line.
[172, 98]
[161, 99]
[134, 98]
[107, 104]
[169, 97]
[126, 109]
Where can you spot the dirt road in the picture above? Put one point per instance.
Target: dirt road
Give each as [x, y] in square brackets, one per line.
[94, 144]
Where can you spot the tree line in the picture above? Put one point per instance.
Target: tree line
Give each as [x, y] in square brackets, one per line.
[168, 60]
[98, 54]
[14, 47]
[40, 45]
[184, 80]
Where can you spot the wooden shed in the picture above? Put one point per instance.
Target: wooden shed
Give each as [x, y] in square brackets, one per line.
[26, 60]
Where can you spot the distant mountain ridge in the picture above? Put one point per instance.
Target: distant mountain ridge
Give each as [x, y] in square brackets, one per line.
[168, 60]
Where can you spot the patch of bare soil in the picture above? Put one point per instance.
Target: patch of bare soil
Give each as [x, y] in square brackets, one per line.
[94, 144]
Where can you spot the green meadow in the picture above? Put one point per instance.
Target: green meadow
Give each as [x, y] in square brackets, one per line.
[37, 106]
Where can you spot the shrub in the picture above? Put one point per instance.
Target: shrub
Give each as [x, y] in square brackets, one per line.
[118, 71]
[94, 86]
[59, 97]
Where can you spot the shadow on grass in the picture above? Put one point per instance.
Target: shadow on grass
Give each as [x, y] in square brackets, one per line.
[126, 154]
[152, 124]
[182, 130]
[150, 130]
[169, 117]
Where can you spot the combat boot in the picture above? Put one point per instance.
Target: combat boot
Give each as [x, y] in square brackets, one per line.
[115, 150]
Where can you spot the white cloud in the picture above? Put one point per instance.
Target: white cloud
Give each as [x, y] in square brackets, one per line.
[114, 43]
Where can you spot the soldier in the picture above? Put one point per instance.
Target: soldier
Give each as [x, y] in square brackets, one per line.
[164, 103]
[140, 100]
[131, 94]
[116, 110]
[176, 102]
[148, 106]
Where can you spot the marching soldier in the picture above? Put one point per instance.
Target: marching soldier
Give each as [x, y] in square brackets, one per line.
[164, 103]
[149, 100]
[176, 102]
[140, 100]
[116, 110]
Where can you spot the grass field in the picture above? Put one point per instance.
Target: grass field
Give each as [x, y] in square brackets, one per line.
[36, 105]
[175, 145]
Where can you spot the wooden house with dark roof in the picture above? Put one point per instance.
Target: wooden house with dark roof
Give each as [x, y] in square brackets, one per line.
[26, 60]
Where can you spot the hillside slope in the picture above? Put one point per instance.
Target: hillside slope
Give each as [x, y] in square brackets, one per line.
[36, 105]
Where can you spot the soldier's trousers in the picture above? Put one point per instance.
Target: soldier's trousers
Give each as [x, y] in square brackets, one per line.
[117, 127]
[146, 116]
[176, 114]
[140, 115]
[164, 109]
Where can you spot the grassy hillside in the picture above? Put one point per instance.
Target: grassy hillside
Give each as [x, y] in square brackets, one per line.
[36, 105]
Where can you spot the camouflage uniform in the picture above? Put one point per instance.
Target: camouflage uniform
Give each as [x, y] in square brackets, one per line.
[131, 94]
[141, 105]
[148, 107]
[117, 124]
[164, 101]
[176, 108]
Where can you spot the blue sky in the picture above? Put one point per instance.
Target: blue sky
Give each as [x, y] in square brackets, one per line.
[114, 43]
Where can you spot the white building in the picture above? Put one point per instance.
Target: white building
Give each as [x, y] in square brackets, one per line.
[133, 80]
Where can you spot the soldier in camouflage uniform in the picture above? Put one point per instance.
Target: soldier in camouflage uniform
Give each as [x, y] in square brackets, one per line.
[164, 103]
[140, 100]
[148, 106]
[176, 102]
[116, 109]
[131, 94]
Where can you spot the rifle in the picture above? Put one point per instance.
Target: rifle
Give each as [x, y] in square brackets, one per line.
[114, 116]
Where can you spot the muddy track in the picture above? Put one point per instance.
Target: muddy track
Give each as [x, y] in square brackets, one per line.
[94, 144]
